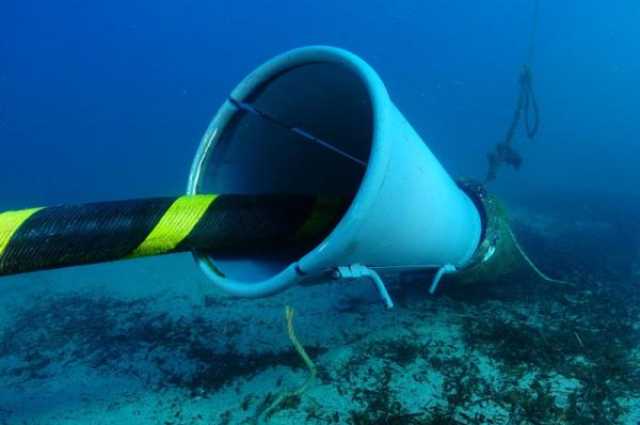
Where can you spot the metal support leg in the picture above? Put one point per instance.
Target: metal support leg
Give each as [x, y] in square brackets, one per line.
[356, 271]
[447, 268]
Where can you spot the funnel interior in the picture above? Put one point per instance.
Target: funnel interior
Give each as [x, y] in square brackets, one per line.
[275, 141]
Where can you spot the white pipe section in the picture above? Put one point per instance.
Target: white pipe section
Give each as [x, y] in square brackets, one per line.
[406, 210]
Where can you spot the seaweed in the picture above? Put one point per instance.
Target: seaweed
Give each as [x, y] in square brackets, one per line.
[125, 337]
[401, 351]
[588, 339]
[380, 406]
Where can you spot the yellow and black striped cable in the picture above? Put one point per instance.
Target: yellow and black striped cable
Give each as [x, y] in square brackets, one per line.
[223, 225]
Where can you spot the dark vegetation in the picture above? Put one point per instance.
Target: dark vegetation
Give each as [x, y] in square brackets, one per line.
[588, 337]
[110, 335]
[531, 330]
[586, 333]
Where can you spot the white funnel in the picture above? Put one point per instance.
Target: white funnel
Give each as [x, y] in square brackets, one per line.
[318, 120]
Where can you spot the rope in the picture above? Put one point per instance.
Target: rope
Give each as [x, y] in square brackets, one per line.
[526, 106]
[246, 107]
[539, 272]
[313, 370]
[530, 101]
[534, 31]
[530, 97]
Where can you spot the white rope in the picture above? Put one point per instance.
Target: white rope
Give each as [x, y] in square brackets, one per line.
[533, 266]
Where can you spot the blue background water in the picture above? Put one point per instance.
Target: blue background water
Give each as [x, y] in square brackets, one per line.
[107, 100]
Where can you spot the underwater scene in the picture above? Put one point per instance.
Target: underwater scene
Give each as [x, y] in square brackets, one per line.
[337, 212]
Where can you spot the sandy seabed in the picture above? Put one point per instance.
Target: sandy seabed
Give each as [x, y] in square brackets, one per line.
[148, 342]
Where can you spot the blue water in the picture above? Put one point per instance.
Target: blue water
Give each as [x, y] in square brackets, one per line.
[109, 100]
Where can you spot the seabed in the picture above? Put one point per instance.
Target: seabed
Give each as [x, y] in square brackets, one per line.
[142, 342]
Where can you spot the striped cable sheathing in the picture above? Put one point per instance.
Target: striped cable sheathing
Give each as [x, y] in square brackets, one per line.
[222, 225]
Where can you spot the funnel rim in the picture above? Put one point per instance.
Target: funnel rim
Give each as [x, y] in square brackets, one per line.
[316, 261]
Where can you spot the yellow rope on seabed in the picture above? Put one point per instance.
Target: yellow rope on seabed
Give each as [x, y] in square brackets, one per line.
[288, 312]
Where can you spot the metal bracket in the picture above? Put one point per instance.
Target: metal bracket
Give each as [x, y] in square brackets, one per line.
[356, 271]
[447, 268]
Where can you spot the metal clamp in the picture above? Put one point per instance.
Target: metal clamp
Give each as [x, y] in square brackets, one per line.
[356, 271]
